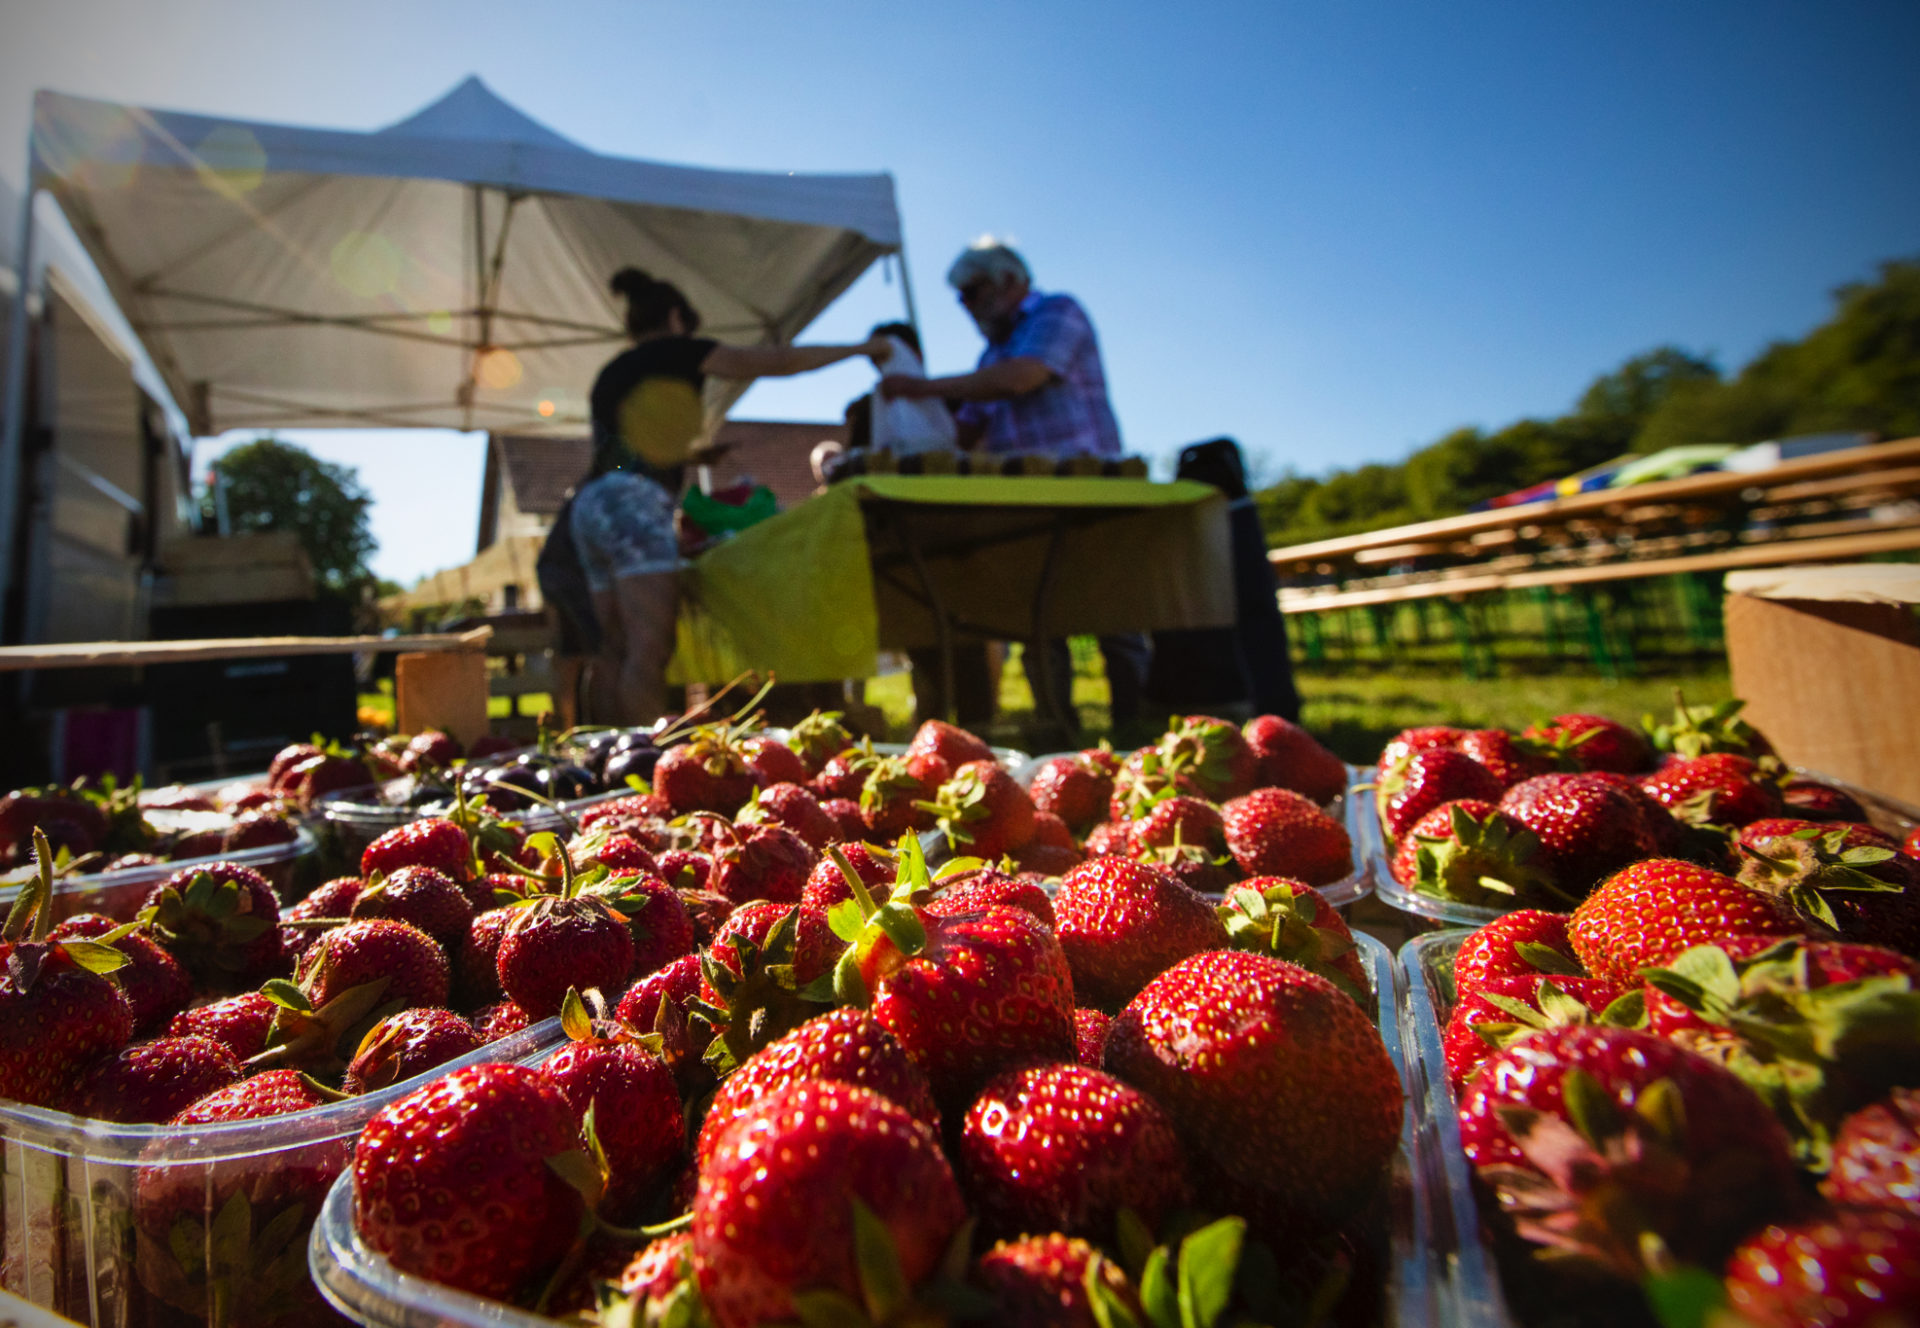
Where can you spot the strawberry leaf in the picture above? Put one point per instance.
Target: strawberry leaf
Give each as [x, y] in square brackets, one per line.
[574, 1019]
[287, 996]
[1109, 1309]
[1595, 1114]
[1158, 1294]
[1684, 1297]
[828, 1309]
[93, 956]
[578, 1170]
[846, 920]
[1135, 1240]
[1547, 959]
[883, 1282]
[1208, 1260]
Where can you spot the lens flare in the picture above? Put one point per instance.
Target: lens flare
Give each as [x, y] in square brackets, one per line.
[231, 161]
[367, 265]
[91, 146]
[497, 369]
[546, 409]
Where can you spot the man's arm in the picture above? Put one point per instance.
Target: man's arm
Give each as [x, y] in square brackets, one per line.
[780, 361]
[1005, 378]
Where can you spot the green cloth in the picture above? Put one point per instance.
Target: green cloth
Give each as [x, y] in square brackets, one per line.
[798, 594]
[716, 517]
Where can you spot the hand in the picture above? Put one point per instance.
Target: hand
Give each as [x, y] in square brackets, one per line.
[904, 386]
[878, 349]
[707, 455]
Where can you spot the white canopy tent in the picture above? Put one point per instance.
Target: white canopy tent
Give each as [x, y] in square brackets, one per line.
[447, 271]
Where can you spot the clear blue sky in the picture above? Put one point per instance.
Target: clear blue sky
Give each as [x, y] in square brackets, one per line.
[1332, 230]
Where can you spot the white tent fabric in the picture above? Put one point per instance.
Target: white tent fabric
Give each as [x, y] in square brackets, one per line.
[448, 271]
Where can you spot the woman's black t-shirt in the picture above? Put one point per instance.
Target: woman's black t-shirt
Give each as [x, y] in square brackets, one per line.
[646, 409]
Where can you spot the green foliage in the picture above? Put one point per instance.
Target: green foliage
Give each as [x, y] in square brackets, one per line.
[271, 485]
[1858, 371]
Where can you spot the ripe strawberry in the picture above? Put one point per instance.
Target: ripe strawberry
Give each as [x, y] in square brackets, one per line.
[452, 1182]
[1109, 839]
[953, 745]
[844, 775]
[641, 807]
[1472, 852]
[1720, 788]
[1594, 742]
[1213, 754]
[1090, 1035]
[893, 789]
[1645, 915]
[318, 776]
[1045, 862]
[659, 1005]
[409, 1043]
[846, 1045]
[286, 759]
[332, 900]
[1065, 1148]
[656, 915]
[1291, 758]
[1122, 923]
[1144, 778]
[794, 807]
[1272, 832]
[499, 1020]
[658, 1271]
[1673, 838]
[773, 762]
[610, 848]
[982, 888]
[221, 921]
[431, 750]
[258, 830]
[1278, 1084]
[776, 1212]
[684, 868]
[1507, 758]
[1426, 738]
[422, 896]
[1844, 1268]
[1911, 844]
[1876, 1155]
[239, 1023]
[967, 995]
[635, 1106]
[1586, 830]
[1414, 786]
[562, 941]
[826, 886]
[849, 826]
[706, 773]
[1500, 1011]
[1041, 1282]
[1179, 822]
[476, 964]
[818, 738]
[155, 984]
[1820, 802]
[1837, 879]
[1595, 1136]
[409, 965]
[755, 977]
[983, 811]
[1074, 788]
[763, 862]
[1699, 730]
[1049, 830]
[1291, 920]
[151, 1082]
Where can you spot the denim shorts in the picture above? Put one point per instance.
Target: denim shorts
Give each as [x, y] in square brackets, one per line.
[623, 526]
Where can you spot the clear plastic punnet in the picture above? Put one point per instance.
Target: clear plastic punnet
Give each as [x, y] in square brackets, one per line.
[121, 1226]
[119, 893]
[364, 1286]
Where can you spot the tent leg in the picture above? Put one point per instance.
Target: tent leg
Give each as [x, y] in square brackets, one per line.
[15, 427]
[942, 624]
[906, 286]
[1040, 673]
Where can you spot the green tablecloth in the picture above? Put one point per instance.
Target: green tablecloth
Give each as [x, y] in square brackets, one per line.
[815, 593]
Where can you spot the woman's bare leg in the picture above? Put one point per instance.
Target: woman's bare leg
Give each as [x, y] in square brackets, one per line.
[646, 606]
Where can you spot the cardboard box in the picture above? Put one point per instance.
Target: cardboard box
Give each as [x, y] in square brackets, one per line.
[1828, 660]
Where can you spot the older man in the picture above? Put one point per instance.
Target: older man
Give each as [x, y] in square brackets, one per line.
[1039, 388]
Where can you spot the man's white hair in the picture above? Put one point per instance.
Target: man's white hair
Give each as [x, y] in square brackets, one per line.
[991, 258]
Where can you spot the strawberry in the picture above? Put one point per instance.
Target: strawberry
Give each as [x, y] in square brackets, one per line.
[1213, 754]
[476, 964]
[1594, 742]
[1507, 758]
[1524, 943]
[331, 901]
[1720, 788]
[221, 921]
[1074, 788]
[755, 978]
[844, 775]
[609, 848]
[1846, 1267]
[239, 1023]
[1292, 758]
[818, 738]
[431, 750]
[773, 762]
[1820, 802]
[1065, 1148]
[1049, 830]
[1876, 1155]
[397, 960]
[1472, 852]
[150, 1082]
[1700, 730]
[1278, 1084]
[1672, 838]
[761, 862]
[328, 773]
[1596, 1138]
[1585, 829]
[893, 791]
[258, 830]
[790, 1188]
[660, 1270]
[1291, 920]
[684, 868]
[1839, 880]
[1430, 737]
[406, 1044]
[794, 807]
[1272, 832]
[422, 896]
[826, 886]
[1645, 915]
[1911, 844]
[984, 887]
[453, 1182]
[706, 773]
[634, 1105]
[1090, 1035]
[1144, 778]
[499, 1020]
[1046, 862]
[286, 759]
[982, 810]
[1109, 839]
[658, 1006]
[563, 941]
[849, 826]
[1041, 1282]
[953, 745]
[656, 915]
[633, 807]
[154, 983]
[845, 1045]
[1179, 822]
[1413, 786]
[1122, 923]
[1508, 1008]
[966, 995]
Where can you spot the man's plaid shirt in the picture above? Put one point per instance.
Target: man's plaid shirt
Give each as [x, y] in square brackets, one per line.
[1071, 413]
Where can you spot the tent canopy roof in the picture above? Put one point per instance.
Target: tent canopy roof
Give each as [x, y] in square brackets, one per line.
[449, 270]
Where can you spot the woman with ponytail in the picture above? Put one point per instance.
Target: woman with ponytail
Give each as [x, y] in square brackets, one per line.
[647, 418]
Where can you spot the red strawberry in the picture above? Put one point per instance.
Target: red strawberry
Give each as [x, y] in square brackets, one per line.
[1510, 1008]
[984, 887]
[1414, 786]
[1720, 788]
[844, 775]
[433, 842]
[1837, 879]
[1596, 1136]
[1472, 852]
[763, 862]
[633, 807]
[1586, 830]
[1047, 861]
[754, 977]
[239, 1023]
[499, 1020]
[615, 851]
[659, 1004]
[773, 762]
[685, 869]
[826, 886]
[432, 750]
[318, 776]
[562, 941]
[476, 964]
[1593, 742]
[1820, 802]
[156, 986]
[1291, 920]
[635, 1106]
[706, 773]
[1844, 1268]
[1431, 737]
[1291, 758]
[151, 1082]
[1065, 1148]
[849, 826]
[893, 790]
[452, 1182]
[258, 830]
[1041, 1282]
[1179, 822]
[845, 1045]
[422, 896]
[286, 759]
[1524, 943]
[1507, 758]
[1876, 1155]
[794, 807]
[1700, 730]
[1272, 832]
[1122, 923]
[1673, 838]
[409, 964]
[332, 900]
[1109, 839]
[1213, 754]
[221, 921]
[656, 915]
[1277, 1082]
[775, 1214]
[953, 745]
[409, 1043]
[1090, 1035]
[1074, 788]
[983, 811]
[1645, 915]
[658, 1271]
[1051, 831]
[818, 738]
[1143, 779]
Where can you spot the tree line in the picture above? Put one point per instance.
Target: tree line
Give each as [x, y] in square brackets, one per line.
[1858, 371]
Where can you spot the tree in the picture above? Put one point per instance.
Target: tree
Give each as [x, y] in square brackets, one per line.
[271, 485]
[1618, 404]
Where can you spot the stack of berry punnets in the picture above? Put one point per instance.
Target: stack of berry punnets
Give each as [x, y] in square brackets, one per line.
[1814, 1214]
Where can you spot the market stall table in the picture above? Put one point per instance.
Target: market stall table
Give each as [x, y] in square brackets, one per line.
[901, 562]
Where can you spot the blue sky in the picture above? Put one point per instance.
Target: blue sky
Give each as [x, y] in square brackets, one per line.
[1332, 230]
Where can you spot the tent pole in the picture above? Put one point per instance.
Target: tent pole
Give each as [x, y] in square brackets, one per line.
[906, 287]
[16, 390]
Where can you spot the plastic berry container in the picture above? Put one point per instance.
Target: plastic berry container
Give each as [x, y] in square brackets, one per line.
[119, 893]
